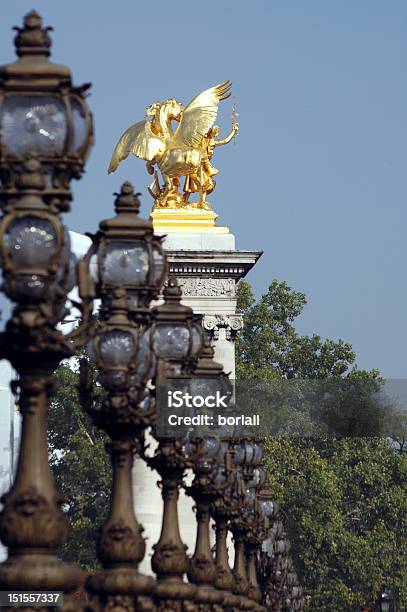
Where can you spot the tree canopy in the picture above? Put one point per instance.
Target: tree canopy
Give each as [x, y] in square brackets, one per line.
[343, 497]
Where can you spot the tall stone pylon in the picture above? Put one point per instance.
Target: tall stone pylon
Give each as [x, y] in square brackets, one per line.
[204, 258]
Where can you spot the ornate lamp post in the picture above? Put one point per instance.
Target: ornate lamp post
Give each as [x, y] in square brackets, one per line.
[202, 568]
[226, 510]
[207, 454]
[280, 584]
[130, 268]
[247, 456]
[223, 509]
[176, 338]
[254, 519]
[45, 136]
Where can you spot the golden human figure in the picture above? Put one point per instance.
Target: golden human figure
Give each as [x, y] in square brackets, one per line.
[203, 181]
[187, 152]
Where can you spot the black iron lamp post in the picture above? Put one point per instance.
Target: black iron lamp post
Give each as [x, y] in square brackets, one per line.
[125, 250]
[45, 137]
[226, 510]
[202, 453]
[177, 339]
[238, 529]
[253, 515]
[208, 459]
[224, 507]
[247, 456]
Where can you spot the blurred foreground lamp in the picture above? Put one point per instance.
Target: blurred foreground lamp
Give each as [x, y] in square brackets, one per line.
[37, 262]
[42, 115]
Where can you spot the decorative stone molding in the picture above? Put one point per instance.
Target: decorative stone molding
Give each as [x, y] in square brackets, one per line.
[231, 323]
[207, 287]
[210, 269]
[214, 263]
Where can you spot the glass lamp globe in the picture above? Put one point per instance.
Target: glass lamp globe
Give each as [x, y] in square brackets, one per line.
[237, 455]
[176, 335]
[266, 508]
[221, 457]
[248, 453]
[280, 547]
[42, 114]
[268, 546]
[39, 126]
[219, 476]
[124, 263]
[34, 247]
[257, 453]
[202, 450]
[33, 125]
[249, 498]
[171, 341]
[145, 363]
[113, 351]
[277, 529]
[210, 446]
[30, 241]
[129, 255]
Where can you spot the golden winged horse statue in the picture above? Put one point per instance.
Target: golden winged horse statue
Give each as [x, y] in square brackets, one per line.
[184, 153]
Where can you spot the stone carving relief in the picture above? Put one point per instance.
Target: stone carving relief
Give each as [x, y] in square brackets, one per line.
[207, 287]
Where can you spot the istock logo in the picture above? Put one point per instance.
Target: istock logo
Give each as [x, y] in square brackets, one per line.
[178, 399]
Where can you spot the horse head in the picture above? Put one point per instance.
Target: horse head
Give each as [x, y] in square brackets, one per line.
[163, 113]
[173, 108]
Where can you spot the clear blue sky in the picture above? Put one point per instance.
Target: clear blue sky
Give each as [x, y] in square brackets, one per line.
[317, 178]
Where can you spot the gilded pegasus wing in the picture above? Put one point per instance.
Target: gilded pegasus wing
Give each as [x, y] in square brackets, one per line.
[200, 115]
[138, 139]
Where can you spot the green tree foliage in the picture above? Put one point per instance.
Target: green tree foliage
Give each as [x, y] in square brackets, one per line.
[344, 498]
[345, 503]
[269, 345]
[81, 468]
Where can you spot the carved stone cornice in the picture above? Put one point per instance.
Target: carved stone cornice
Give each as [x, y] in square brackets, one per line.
[214, 263]
[231, 323]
